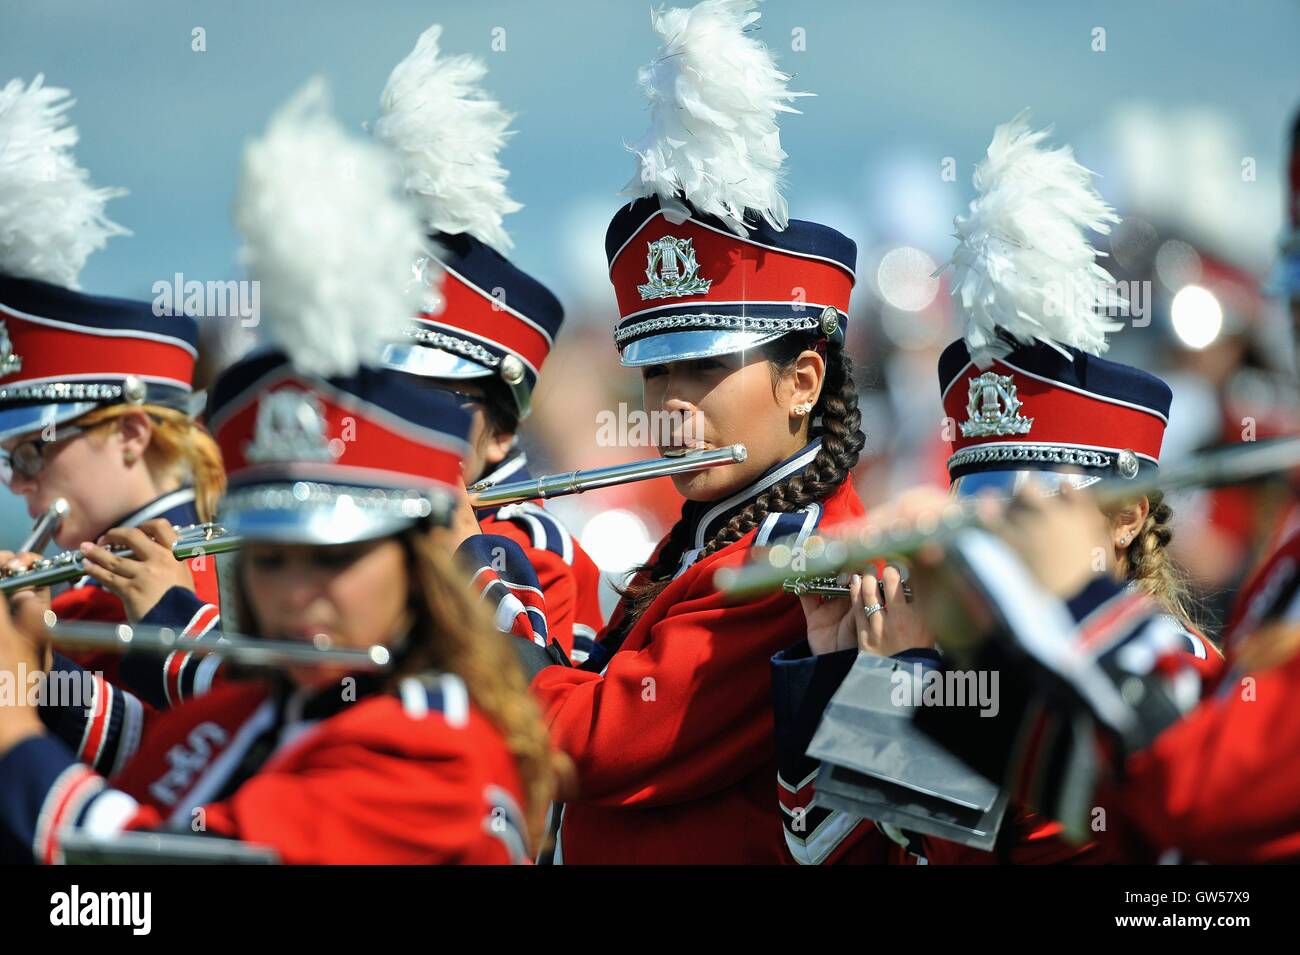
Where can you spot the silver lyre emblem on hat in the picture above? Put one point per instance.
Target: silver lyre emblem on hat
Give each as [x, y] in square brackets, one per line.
[9, 362]
[426, 271]
[671, 270]
[993, 408]
[290, 426]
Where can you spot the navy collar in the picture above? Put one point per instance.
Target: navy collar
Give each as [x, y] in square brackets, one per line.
[706, 518]
[176, 506]
[310, 706]
[514, 467]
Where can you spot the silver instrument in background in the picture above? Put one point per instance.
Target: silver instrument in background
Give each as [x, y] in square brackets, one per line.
[194, 541]
[161, 848]
[238, 649]
[484, 494]
[45, 528]
[1238, 464]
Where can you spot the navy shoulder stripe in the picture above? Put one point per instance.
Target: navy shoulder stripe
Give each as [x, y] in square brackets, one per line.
[546, 531]
[443, 693]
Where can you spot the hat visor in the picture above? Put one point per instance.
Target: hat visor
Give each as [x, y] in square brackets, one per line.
[261, 514]
[429, 362]
[30, 419]
[688, 345]
[1006, 484]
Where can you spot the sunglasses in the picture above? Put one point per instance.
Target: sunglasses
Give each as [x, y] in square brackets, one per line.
[28, 458]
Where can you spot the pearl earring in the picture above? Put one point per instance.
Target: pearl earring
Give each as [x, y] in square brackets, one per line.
[803, 409]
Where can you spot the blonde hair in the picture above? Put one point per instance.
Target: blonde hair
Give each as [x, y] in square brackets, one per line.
[1146, 560]
[179, 448]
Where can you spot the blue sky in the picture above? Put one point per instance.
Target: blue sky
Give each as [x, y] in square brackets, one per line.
[900, 85]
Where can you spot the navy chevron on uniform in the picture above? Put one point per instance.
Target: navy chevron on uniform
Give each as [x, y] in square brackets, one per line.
[501, 574]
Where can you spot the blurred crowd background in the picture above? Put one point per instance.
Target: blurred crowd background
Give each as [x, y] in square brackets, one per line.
[1184, 109]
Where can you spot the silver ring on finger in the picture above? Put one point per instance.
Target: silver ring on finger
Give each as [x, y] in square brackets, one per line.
[872, 609]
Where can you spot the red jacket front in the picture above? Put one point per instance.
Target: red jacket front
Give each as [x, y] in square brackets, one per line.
[416, 776]
[673, 740]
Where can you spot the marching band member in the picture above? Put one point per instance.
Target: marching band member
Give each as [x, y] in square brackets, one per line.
[340, 475]
[1218, 784]
[668, 722]
[95, 396]
[488, 326]
[1026, 397]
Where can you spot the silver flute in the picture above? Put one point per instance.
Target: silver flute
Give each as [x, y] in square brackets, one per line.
[830, 586]
[824, 586]
[192, 541]
[46, 527]
[1238, 464]
[484, 494]
[236, 648]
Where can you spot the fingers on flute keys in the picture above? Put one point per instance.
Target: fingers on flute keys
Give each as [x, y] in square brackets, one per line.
[892, 584]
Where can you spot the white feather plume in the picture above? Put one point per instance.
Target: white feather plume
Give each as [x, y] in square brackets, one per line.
[447, 133]
[1023, 263]
[714, 96]
[51, 217]
[329, 237]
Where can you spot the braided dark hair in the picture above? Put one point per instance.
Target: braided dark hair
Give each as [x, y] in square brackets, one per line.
[842, 443]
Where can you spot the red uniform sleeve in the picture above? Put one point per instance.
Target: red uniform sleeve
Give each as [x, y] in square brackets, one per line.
[1221, 785]
[681, 716]
[568, 577]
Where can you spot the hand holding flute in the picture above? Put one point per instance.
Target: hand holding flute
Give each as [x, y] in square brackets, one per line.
[141, 579]
[870, 610]
[23, 651]
[28, 608]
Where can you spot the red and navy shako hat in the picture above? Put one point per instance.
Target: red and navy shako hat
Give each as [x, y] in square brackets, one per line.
[689, 287]
[64, 353]
[1037, 410]
[491, 319]
[333, 461]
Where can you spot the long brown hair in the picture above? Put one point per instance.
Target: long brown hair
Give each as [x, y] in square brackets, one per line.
[451, 632]
[842, 443]
[179, 449]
